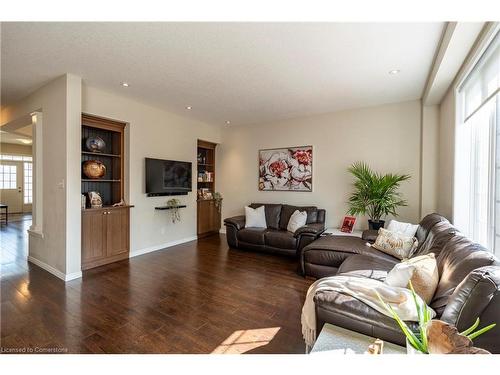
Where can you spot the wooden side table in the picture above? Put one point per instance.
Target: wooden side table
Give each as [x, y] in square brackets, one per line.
[338, 340]
[5, 214]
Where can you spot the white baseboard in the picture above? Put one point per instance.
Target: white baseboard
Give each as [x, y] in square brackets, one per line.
[222, 230]
[61, 275]
[162, 246]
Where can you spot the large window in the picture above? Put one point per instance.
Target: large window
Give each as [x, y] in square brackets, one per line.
[477, 169]
[28, 183]
[8, 177]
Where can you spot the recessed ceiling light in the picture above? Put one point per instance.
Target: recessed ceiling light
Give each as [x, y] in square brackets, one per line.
[395, 71]
[228, 122]
[125, 84]
[189, 107]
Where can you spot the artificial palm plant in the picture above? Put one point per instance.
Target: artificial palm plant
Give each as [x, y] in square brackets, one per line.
[375, 194]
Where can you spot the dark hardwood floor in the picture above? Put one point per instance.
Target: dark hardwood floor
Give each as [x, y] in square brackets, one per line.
[199, 297]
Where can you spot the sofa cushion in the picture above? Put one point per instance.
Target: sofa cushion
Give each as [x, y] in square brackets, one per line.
[273, 212]
[429, 227]
[458, 258]
[365, 264]
[280, 239]
[287, 211]
[252, 235]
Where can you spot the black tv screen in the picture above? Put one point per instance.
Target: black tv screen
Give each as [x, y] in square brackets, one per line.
[167, 177]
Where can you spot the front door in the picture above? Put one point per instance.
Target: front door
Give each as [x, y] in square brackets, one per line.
[11, 185]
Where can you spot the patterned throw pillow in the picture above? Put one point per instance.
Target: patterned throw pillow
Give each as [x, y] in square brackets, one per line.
[425, 278]
[394, 243]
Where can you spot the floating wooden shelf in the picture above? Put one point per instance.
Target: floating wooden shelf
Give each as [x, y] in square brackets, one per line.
[205, 165]
[169, 207]
[101, 154]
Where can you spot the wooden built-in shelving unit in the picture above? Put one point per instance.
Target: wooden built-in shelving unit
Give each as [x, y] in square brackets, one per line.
[209, 219]
[105, 230]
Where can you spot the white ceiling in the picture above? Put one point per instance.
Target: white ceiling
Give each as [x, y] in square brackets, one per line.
[15, 138]
[242, 72]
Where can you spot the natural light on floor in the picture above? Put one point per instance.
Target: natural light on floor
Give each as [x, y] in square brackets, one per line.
[244, 340]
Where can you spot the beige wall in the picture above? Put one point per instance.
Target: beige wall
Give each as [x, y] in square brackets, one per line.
[11, 148]
[57, 246]
[388, 137]
[429, 159]
[446, 156]
[155, 133]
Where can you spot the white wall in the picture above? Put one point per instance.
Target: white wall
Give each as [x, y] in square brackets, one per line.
[57, 247]
[388, 137]
[152, 132]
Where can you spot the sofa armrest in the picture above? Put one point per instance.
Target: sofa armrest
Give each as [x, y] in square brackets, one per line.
[237, 221]
[350, 313]
[369, 235]
[314, 229]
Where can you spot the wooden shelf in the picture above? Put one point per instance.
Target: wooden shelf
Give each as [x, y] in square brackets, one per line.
[97, 180]
[205, 165]
[169, 207]
[101, 154]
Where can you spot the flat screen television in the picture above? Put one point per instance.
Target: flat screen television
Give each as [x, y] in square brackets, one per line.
[167, 177]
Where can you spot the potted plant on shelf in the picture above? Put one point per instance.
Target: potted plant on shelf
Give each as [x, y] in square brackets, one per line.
[375, 195]
[173, 205]
[436, 336]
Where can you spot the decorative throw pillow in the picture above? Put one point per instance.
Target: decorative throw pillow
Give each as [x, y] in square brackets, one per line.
[394, 243]
[255, 217]
[297, 220]
[400, 275]
[405, 229]
[425, 278]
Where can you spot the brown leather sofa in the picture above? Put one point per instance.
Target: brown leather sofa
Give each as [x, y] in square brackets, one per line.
[275, 238]
[469, 285]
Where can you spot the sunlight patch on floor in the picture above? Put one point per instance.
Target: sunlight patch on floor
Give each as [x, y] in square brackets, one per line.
[244, 340]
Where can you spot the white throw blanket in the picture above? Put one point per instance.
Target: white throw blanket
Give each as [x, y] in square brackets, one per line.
[363, 289]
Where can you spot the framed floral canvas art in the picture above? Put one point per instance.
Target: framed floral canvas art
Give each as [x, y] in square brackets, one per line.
[286, 169]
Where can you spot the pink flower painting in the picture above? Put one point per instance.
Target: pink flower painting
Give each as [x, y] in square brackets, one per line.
[286, 169]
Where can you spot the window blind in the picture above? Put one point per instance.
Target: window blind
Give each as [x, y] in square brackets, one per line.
[483, 82]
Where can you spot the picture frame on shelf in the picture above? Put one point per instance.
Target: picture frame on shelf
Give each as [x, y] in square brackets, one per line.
[348, 224]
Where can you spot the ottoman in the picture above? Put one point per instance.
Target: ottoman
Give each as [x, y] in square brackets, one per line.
[324, 256]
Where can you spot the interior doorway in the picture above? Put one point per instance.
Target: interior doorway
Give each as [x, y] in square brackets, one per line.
[16, 190]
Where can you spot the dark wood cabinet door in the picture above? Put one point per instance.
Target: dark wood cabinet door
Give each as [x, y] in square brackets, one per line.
[117, 231]
[93, 236]
[208, 217]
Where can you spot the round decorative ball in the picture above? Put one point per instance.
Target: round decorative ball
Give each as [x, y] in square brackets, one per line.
[95, 144]
[94, 169]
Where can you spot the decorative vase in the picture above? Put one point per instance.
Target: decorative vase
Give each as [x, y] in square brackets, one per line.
[376, 225]
[95, 144]
[94, 169]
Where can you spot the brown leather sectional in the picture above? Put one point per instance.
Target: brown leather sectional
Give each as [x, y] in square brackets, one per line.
[469, 285]
[275, 238]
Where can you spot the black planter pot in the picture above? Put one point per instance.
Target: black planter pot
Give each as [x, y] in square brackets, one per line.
[376, 225]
